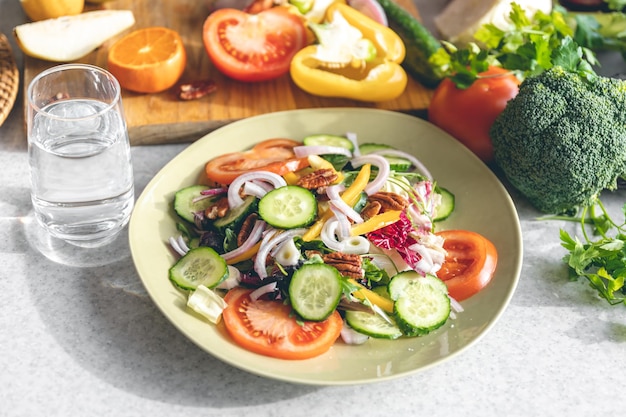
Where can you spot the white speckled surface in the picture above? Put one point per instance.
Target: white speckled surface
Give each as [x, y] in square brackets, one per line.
[88, 341]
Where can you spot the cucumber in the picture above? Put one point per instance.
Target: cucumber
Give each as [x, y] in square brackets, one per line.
[395, 163]
[329, 140]
[199, 266]
[236, 216]
[184, 204]
[445, 209]
[372, 325]
[419, 42]
[288, 207]
[421, 303]
[315, 291]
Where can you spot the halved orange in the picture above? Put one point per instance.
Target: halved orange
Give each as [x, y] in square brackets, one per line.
[148, 60]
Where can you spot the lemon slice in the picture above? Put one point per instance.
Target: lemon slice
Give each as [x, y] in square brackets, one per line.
[69, 38]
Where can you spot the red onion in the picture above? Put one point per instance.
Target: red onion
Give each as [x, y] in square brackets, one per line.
[175, 244]
[251, 188]
[271, 239]
[234, 200]
[371, 9]
[328, 235]
[351, 336]
[255, 235]
[383, 171]
[267, 288]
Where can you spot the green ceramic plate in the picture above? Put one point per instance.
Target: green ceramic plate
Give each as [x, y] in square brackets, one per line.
[482, 205]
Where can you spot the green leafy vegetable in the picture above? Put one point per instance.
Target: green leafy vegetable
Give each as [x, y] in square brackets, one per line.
[528, 48]
[603, 260]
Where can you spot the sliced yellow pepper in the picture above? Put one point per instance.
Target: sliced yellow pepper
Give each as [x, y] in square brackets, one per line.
[246, 255]
[378, 79]
[350, 196]
[376, 222]
[366, 294]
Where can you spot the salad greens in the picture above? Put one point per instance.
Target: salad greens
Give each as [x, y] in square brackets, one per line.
[562, 38]
[600, 258]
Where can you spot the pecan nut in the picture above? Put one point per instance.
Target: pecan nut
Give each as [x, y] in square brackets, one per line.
[371, 209]
[318, 179]
[246, 228]
[217, 209]
[196, 89]
[348, 265]
[389, 201]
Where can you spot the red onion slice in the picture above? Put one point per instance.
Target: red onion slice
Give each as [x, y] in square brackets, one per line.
[265, 289]
[335, 200]
[234, 200]
[271, 239]
[401, 154]
[255, 235]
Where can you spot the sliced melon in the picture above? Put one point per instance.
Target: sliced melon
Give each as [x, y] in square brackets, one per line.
[69, 38]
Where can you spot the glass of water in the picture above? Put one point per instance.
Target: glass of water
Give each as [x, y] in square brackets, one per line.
[79, 153]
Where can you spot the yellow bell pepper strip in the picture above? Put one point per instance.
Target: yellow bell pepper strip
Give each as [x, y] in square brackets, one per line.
[376, 222]
[246, 255]
[366, 294]
[356, 58]
[350, 196]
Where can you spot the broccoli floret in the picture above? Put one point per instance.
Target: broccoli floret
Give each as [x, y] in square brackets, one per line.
[562, 139]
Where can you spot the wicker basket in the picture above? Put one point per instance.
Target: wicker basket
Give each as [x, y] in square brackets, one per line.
[9, 78]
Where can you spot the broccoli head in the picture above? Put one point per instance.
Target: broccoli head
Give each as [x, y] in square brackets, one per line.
[562, 139]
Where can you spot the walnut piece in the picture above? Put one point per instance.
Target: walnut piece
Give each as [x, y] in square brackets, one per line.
[196, 89]
[217, 209]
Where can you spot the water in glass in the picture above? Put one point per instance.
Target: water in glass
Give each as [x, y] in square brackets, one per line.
[82, 176]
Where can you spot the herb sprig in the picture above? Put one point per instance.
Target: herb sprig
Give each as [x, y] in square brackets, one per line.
[600, 258]
[529, 47]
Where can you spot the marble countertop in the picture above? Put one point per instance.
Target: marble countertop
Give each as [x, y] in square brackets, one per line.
[88, 341]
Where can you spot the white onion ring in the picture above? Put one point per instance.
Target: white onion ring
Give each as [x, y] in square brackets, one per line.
[234, 200]
[255, 235]
[302, 151]
[328, 234]
[335, 199]
[271, 239]
[252, 188]
[343, 224]
[267, 288]
[416, 162]
[383, 171]
[351, 136]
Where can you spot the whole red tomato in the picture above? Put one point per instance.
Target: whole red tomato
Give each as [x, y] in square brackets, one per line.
[468, 114]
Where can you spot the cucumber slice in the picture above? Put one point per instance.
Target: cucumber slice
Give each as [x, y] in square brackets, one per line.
[372, 325]
[288, 207]
[421, 306]
[236, 216]
[329, 140]
[445, 209]
[399, 282]
[315, 291]
[199, 266]
[184, 204]
[395, 163]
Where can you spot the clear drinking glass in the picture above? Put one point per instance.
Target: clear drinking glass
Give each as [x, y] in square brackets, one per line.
[79, 153]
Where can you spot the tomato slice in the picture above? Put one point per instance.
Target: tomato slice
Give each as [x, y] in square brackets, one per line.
[253, 47]
[470, 262]
[274, 155]
[268, 327]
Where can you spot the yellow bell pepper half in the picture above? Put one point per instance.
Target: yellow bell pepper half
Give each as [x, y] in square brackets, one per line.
[378, 79]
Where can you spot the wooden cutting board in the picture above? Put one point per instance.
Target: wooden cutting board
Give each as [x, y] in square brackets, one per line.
[163, 118]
